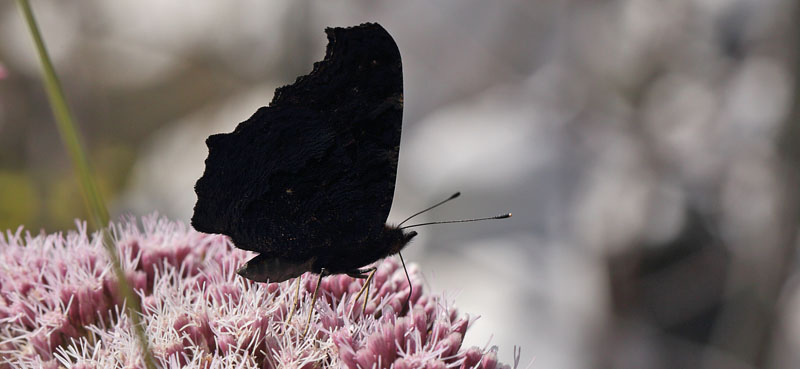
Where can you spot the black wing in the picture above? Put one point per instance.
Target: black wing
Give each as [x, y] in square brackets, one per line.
[316, 169]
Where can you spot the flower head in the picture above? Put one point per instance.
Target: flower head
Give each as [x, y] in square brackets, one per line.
[60, 307]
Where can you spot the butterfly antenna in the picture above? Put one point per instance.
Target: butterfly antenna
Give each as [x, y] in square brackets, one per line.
[501, 216]
[453, 196]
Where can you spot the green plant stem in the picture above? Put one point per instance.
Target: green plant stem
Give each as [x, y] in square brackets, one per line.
[66, 125]
[94, 201]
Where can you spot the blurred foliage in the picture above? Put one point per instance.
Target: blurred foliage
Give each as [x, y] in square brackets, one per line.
[19, 201]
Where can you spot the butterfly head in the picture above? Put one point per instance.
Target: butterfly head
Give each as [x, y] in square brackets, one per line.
[408, 236]
[400, 239]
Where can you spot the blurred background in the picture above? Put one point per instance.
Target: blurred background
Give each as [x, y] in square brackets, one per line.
[647, 148]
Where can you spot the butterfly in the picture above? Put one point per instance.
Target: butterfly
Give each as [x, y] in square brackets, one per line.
[308, 181]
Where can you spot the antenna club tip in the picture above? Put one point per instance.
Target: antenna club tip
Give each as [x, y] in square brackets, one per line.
[457, 194]
[504, 216]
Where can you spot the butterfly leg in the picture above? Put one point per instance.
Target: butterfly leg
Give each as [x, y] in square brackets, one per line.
[298, 281]
[410, 289]
[322, 273]
[360, 274]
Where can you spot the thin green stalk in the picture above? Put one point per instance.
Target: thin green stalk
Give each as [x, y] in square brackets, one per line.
[94, 202]
[66, 125]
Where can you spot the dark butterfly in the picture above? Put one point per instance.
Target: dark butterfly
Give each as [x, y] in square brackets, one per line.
[308, 181]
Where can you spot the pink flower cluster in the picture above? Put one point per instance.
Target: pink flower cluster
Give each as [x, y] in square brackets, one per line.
[60, 307]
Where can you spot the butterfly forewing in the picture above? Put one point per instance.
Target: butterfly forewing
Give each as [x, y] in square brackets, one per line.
[315, 171]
